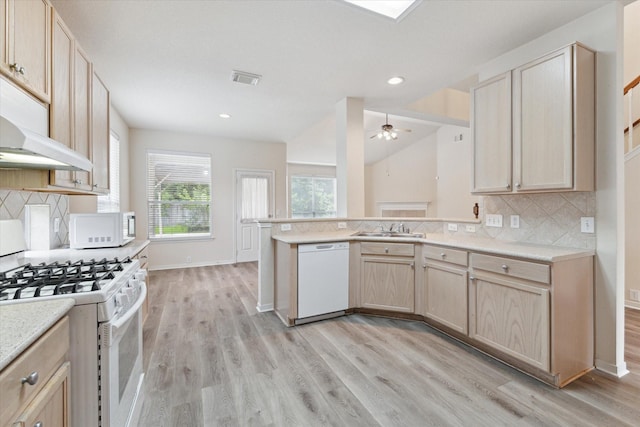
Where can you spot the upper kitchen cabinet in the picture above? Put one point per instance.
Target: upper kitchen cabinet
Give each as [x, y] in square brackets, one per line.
[100, 135]
[491, 125]
[552, 134]
[79, 113]
[25, 44]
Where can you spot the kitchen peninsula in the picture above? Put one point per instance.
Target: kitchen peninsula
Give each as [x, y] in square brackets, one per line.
[528, 305]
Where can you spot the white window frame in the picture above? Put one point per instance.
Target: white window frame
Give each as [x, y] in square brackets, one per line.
[111, 202]
[149, 201]
[313, 176]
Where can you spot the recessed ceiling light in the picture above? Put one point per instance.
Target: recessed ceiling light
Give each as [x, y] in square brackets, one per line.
[394, 9]
[224, 116]
[396, 80]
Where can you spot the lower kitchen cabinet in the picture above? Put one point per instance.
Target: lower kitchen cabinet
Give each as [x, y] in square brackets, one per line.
[35, 386]
[387, 281]
[49, 408]
[533, 312]
[513, 317]
[445, 287]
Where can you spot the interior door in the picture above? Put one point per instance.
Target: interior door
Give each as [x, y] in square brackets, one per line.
[254, 200]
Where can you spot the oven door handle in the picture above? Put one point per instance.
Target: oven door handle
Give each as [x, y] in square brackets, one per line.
[133, 310]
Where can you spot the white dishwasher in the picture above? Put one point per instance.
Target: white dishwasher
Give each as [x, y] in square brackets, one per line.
[323, 278]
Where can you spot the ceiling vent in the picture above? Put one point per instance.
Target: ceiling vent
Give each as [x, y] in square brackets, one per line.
[246, 78]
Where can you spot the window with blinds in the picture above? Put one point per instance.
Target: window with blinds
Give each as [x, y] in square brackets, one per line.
[111, 201]
[178, 195]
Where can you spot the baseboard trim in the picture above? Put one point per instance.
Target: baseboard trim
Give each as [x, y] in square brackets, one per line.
[262, 308]
[616, 371]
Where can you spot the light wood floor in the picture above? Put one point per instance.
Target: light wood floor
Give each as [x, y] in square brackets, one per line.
[212, 360]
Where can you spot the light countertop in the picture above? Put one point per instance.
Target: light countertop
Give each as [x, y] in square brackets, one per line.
[535, 252]
[21, 324]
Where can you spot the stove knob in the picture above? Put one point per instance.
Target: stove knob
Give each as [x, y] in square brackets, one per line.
[141, 274]
[121, 300]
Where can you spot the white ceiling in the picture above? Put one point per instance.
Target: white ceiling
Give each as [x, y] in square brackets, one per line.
[168, 63]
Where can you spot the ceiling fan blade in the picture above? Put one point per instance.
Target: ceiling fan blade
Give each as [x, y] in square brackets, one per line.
[402, 130]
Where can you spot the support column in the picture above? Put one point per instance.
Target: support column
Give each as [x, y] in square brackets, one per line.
[350, 157]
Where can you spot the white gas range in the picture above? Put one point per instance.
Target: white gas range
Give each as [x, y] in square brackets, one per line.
[105, 326]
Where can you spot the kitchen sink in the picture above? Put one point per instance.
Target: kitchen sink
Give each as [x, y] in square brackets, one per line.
[388, 234]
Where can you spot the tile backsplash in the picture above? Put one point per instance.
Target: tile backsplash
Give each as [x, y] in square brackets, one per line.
[12, 206]
[550, 218]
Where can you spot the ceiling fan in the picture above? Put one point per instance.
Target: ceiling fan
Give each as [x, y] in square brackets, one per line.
[388, 132]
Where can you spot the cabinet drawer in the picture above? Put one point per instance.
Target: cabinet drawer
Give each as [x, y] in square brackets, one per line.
[43, 357]
[511, 267]
[397, 249]
[453, 256]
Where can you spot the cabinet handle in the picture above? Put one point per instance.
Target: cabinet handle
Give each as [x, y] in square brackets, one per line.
[472, 278]
[95, 185]
[508, 186]
[77, 181]
[424, 266]
[39, 424]
[413, 266]
[443, 255]
[518, 185]
[18, 68]
[386, 250]
[31, 379]
[505, 267]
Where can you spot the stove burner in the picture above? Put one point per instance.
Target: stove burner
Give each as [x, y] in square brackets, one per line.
[58, 278]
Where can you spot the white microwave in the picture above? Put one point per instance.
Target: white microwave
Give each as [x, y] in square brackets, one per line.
[101, 230]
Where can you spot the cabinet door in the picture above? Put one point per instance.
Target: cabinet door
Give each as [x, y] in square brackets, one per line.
[26, 44]
[82, 113]
[446, 296]
[387, 284]
[100, 135]
[62, 99]
[543, 123]
[512, 317]
[50, 407]
[491, 127]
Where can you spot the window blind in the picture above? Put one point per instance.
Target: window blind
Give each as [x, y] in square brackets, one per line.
[178, 195]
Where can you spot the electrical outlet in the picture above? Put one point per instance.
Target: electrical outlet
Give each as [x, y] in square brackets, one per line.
[587, 224]
[452, 227]
[342, 225]
[515, 221]
[470, 228]
[493, 220]
[56, 225]
[188, 259]
[634, 295]
[285, 227]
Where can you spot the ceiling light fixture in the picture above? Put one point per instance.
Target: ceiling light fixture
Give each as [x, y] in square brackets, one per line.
[224, 116]
[395, 80]
[394, 9]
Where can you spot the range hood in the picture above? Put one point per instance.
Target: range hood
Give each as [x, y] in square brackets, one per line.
[25, 149]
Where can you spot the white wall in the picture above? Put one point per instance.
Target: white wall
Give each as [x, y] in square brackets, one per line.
[226, 155]
[454, 199]
[601, 30]
[406, 176]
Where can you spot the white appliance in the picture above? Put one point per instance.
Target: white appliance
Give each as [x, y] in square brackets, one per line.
[323, 279]
[101, 230]
[105, 326]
